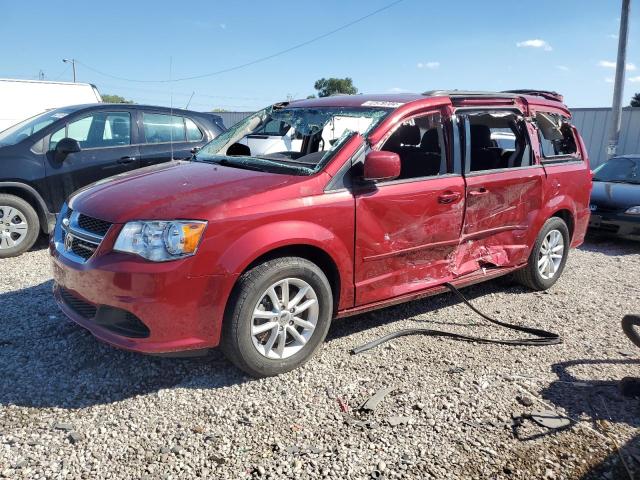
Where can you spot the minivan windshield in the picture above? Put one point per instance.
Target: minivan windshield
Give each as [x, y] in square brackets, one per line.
[619, 170]
[281, 139]
[28, 127]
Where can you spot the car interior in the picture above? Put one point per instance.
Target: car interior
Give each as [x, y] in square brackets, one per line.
[419, 144]
[490, 147]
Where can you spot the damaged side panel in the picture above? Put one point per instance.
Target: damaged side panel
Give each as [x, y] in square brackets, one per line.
[501, 210]
[405, 237]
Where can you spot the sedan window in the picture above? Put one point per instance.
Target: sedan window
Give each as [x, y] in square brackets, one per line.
[100, 130]
[619, 169]
[160, 128]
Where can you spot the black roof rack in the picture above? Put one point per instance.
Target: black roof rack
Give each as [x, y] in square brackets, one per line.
[549, 95]
[504, 94]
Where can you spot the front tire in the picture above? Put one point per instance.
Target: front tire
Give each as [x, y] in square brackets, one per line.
[278, 316]
[548, 256]
[19, 226]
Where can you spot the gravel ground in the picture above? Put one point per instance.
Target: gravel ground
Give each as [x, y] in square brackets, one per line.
[71, 407]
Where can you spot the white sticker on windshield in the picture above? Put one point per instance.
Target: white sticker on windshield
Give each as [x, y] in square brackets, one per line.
[375, 103]
[59, 115]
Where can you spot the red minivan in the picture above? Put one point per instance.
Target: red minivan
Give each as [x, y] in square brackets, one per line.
[385, 198]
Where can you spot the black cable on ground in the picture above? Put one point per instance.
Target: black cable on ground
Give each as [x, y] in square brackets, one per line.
[541, 337]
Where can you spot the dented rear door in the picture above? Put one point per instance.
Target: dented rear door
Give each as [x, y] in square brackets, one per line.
[406, 232]
[501, 209]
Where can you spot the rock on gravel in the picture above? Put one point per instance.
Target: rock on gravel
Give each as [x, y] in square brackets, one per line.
[133, 416]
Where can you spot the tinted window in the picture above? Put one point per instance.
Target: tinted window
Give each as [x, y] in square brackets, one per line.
[496, 140]
[101, 130]
[30, 126]
[160, 128]
[619, 169]
[420, 144]
[556, 136]
[193, 132]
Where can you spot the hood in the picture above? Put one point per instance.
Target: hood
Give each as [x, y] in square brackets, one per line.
[189, 190]
[615, 195]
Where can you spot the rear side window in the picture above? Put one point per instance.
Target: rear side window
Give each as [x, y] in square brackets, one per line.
[555, 136]
[495, 140]
[193, 132]
[159, 128]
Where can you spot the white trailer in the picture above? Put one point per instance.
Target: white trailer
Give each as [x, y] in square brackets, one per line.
[21, 99]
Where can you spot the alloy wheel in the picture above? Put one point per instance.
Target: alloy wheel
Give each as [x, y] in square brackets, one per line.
[13, 227]
[550, 254]
[284, 318]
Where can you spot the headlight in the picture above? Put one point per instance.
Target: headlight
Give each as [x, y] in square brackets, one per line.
[633, 210]
[160, 241]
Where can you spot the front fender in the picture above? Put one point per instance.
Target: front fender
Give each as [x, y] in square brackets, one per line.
[239, 254]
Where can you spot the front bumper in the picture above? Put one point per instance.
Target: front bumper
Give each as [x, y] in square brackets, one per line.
[615, 223]
[141, 306]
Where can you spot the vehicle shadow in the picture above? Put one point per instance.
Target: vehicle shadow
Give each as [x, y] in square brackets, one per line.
[48, 361]
[602, 402]
[610, 245]
[366, 321]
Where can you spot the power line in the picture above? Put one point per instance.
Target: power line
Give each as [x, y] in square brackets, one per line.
[253, 62]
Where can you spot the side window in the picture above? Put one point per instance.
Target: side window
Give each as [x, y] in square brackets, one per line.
[496, 140]
[193, 132]
[117, 129]
[159, 128]
[420, 144]
[56, 137]
[555, 136]
[101, 130]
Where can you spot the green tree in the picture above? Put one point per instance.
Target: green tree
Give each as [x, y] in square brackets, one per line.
[334, 86]
[219, 110]
[107, 98]
[635, 100]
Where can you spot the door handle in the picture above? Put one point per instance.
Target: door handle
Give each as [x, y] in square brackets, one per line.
[126, 160]
[448, 197]
[479, 191]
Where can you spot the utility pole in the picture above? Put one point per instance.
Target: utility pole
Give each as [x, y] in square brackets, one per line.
[618, 89]
[73, 65]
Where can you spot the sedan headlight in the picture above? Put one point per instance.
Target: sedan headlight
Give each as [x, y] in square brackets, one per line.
[160, 241]
[633, 210]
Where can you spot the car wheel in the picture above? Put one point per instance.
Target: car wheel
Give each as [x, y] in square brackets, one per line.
[19, 226]
[548, 256]
[278, 316]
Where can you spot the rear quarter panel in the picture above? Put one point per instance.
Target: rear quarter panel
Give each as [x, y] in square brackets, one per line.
[568, 187]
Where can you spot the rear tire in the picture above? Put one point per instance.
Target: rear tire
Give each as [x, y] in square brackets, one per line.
[19, 226]
[544, 267]
[278, 316]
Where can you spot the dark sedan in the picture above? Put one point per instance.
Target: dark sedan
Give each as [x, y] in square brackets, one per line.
[46, 158]
[615, 199]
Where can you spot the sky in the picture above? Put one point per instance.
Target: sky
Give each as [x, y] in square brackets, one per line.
[415, 45]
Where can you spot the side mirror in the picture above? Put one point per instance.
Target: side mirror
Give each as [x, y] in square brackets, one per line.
[66, 146]
[195, 150]
[381, 165]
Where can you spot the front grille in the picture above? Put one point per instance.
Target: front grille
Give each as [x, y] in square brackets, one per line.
[607, 227]
[82, 308]
[93, 225]
[79, 236]
[605, 209]
[83, 248]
